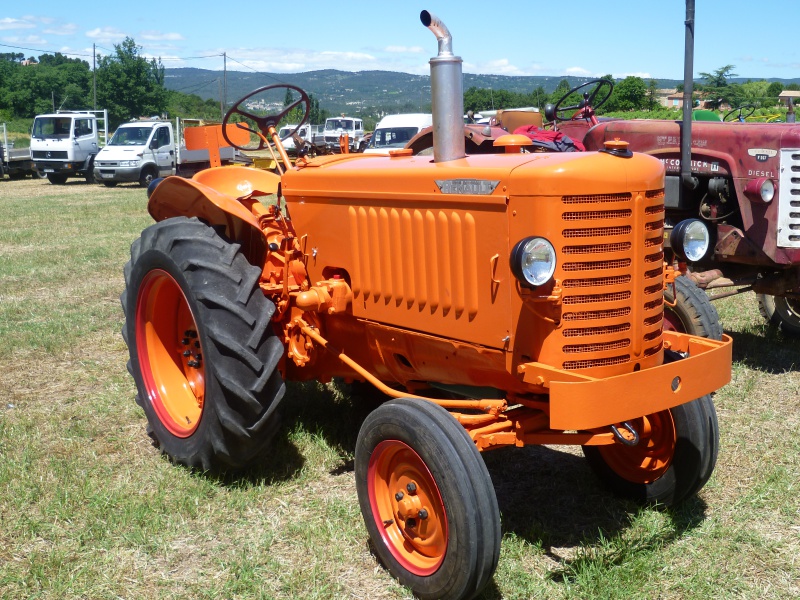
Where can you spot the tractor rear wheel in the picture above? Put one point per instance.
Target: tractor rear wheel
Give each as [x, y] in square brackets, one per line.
[202, 350]
[427, 500]
[693, 313]
[781, 312]
[674, 458]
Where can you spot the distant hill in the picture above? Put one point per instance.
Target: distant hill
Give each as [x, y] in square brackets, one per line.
[344, 91]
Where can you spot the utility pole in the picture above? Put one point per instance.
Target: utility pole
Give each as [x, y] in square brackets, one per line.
[224, 81]
[94, 76]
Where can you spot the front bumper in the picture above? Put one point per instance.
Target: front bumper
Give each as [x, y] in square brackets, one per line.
[590, 403]
[49, 167]
[117, 174]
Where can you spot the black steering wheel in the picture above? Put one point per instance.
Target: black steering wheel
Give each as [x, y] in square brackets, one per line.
[558, 112]
[264, 122]
[739, 112]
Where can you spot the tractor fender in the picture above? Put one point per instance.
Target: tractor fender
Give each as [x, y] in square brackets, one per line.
[178, 197]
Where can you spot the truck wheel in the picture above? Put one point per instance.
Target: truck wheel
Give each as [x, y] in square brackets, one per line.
[693, 314]
[427, 500]
[57, 179]
[674, 458]
[147, 176]
[110, 183]
[202, 350]
[781, 312]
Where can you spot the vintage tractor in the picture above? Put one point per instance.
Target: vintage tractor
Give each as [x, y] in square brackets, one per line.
[500, 299]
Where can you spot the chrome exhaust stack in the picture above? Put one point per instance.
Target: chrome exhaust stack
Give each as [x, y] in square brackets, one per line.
[447, 94]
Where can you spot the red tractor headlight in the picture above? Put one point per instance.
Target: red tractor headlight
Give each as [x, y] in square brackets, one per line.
[760, 190]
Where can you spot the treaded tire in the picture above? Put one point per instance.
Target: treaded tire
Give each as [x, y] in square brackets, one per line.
[694, 313]
[57, 179]
[240, 351]
[426, 439]
[783, 313]
[147, 176]
[696, 446]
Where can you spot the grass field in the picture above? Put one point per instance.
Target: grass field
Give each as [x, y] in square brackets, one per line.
[90, 510]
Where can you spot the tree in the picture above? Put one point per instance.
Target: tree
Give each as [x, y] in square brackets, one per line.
[720, 77]
[629, 94]
[129, 85]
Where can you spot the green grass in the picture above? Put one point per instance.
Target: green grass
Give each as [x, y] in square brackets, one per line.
[89, 509]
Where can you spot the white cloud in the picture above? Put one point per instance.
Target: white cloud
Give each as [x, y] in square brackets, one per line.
[404, 49]
[28, 40]
[624, 75]
[157, 36]
[106, 35]
[7, 23]
[280, 60]
[64, 29]
[577, 71]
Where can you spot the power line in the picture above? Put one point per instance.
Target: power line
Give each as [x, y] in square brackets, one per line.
[255, 71]
[45, 51]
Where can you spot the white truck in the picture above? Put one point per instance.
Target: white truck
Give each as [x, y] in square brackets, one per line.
[394, 132]
[311, 134]
[141, 151]
[64, 144]
[14, 162]
[336, 127]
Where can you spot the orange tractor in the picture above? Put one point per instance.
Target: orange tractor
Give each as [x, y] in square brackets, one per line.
[500, 299]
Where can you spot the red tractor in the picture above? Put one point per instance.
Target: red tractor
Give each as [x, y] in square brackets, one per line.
[501, 300]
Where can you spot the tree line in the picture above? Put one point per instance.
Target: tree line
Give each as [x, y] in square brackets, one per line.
[127, 85]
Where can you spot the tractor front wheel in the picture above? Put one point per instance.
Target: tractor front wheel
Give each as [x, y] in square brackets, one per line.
[202, 350]
[781, 312]
[427, 500]
[674, 458]
[693, 312]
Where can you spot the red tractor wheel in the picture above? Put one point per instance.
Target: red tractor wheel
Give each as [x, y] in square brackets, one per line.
[202, 350]
[427, 500]
[674, 458]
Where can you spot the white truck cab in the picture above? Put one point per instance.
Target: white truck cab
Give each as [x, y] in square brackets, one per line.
[308, 133]
[137, 152]
[336, 127]
[64, 144]
[394, 132]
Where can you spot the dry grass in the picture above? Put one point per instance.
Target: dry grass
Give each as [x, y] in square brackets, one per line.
[88, 508]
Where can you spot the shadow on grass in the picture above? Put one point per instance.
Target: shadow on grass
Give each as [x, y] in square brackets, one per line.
[767, 350]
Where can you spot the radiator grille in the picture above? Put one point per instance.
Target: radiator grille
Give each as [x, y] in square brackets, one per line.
[789, 200]
[620, 259]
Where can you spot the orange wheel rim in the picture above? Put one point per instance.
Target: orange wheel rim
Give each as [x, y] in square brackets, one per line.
[651, 457]
[170, 355]
[407, 507]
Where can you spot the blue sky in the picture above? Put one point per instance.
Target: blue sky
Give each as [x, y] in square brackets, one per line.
[577, 37]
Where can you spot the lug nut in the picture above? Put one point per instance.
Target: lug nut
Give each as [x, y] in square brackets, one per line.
[398, 496]
[190, 333]
[185, 341]
[411, 522]
[422, 514]
[187, 353]
[411, 487]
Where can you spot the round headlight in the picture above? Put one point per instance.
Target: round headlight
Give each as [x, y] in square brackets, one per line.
[760, 190]
[533, 261]
[690, 239]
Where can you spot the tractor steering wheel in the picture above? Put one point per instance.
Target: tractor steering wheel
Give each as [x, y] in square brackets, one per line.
[586, 107]
[739, 111]
[265, 122]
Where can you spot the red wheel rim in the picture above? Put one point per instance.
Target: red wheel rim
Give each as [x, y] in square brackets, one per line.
[407, 507]
[651, 457]
[169, 353]
[672, 322]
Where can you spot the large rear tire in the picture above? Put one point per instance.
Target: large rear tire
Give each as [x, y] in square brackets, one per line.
[427, 500]
[781, 312]
[674, 458]
[693, 313]
[202, 350]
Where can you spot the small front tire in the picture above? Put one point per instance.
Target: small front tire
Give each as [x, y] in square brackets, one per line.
[427, 500]
[781, 312]
[674, 458]
[693, 313]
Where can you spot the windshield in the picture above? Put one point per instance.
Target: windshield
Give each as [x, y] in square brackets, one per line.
[52, 127]
[334, 124]
[130, 136]
[392, 137]
[284, 132]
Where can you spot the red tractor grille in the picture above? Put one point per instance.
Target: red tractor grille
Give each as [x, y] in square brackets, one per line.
[620, 258]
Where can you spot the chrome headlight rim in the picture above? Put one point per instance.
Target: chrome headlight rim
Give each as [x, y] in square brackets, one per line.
[531, 250]
[684, 237]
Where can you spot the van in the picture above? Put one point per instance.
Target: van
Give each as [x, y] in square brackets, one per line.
[395, 131]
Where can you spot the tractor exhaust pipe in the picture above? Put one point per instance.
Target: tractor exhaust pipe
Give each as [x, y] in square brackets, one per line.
[688, 181]
[447, 94]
